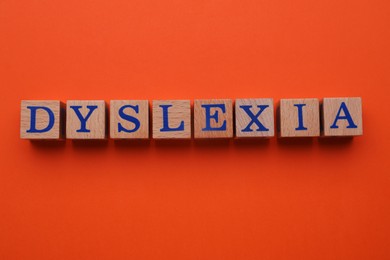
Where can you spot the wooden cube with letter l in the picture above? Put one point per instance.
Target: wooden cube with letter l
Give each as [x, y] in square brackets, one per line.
[41, 119]
[299, 117]
[171, 119]
[254, 117]
[85, 119]
[129, 119]
[213, 118]
[342, 116]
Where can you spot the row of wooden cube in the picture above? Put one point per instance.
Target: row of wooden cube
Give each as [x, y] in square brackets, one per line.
[129, 119]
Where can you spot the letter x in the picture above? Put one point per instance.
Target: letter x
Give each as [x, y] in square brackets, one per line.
[254, 118]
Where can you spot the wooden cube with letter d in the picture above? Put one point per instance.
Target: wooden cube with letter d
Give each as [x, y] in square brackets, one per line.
[41, 119]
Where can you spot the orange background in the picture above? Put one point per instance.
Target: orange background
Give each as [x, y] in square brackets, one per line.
[187, 200]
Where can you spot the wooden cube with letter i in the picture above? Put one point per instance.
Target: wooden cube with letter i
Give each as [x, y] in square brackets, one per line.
[299, 117]
[85, 119]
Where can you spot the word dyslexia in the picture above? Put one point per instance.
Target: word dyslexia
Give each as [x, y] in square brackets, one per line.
[212, 118]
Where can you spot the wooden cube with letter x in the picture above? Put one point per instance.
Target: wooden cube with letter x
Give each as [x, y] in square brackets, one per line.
[299, 117]
[40, 119]
[85, 119]
[171, 119]
[129, 119]
[254, 117]
[342, 116]
[213, 118]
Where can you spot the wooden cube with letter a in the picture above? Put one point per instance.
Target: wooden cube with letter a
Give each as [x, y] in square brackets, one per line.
[171, 119]
[40, 119]
[129, 119]
[342, 116]
[213, 118]
[85, 119]
[254, 117]
[299, 117]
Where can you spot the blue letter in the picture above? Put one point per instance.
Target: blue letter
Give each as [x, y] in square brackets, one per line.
[83, 120]
[300, 117]
[214, 116]
[254, 118]
[346, 116]
[33, 127]
[132, 119]
[166, 127]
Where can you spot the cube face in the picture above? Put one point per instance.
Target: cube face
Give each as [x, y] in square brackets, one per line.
[85, 119]
[342, 116]
[213, 118]
[171, 119]
[129, 119]
[299, 117]
[254, 117]
[40, 119]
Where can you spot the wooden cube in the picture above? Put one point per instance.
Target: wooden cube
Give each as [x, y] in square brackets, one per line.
[85, 119]
[171, 119]
[129, 119]
[40, 119]
[213, 118]
[299, 117]
[342, 116]
[254, 117]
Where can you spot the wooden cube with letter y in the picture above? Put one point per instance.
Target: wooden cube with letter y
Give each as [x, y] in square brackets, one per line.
[85, 119]
[254, 117]
[40, 119]
[171, 119]
[342, 116]
[299, 117]
[129, 119]
[213, 118]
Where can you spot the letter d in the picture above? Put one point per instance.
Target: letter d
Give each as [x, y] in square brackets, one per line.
[33, 119]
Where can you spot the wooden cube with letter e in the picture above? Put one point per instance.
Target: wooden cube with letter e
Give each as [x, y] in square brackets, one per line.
[213, 118]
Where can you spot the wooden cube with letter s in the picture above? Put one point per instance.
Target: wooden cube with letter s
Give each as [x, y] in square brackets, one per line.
[129, 119]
